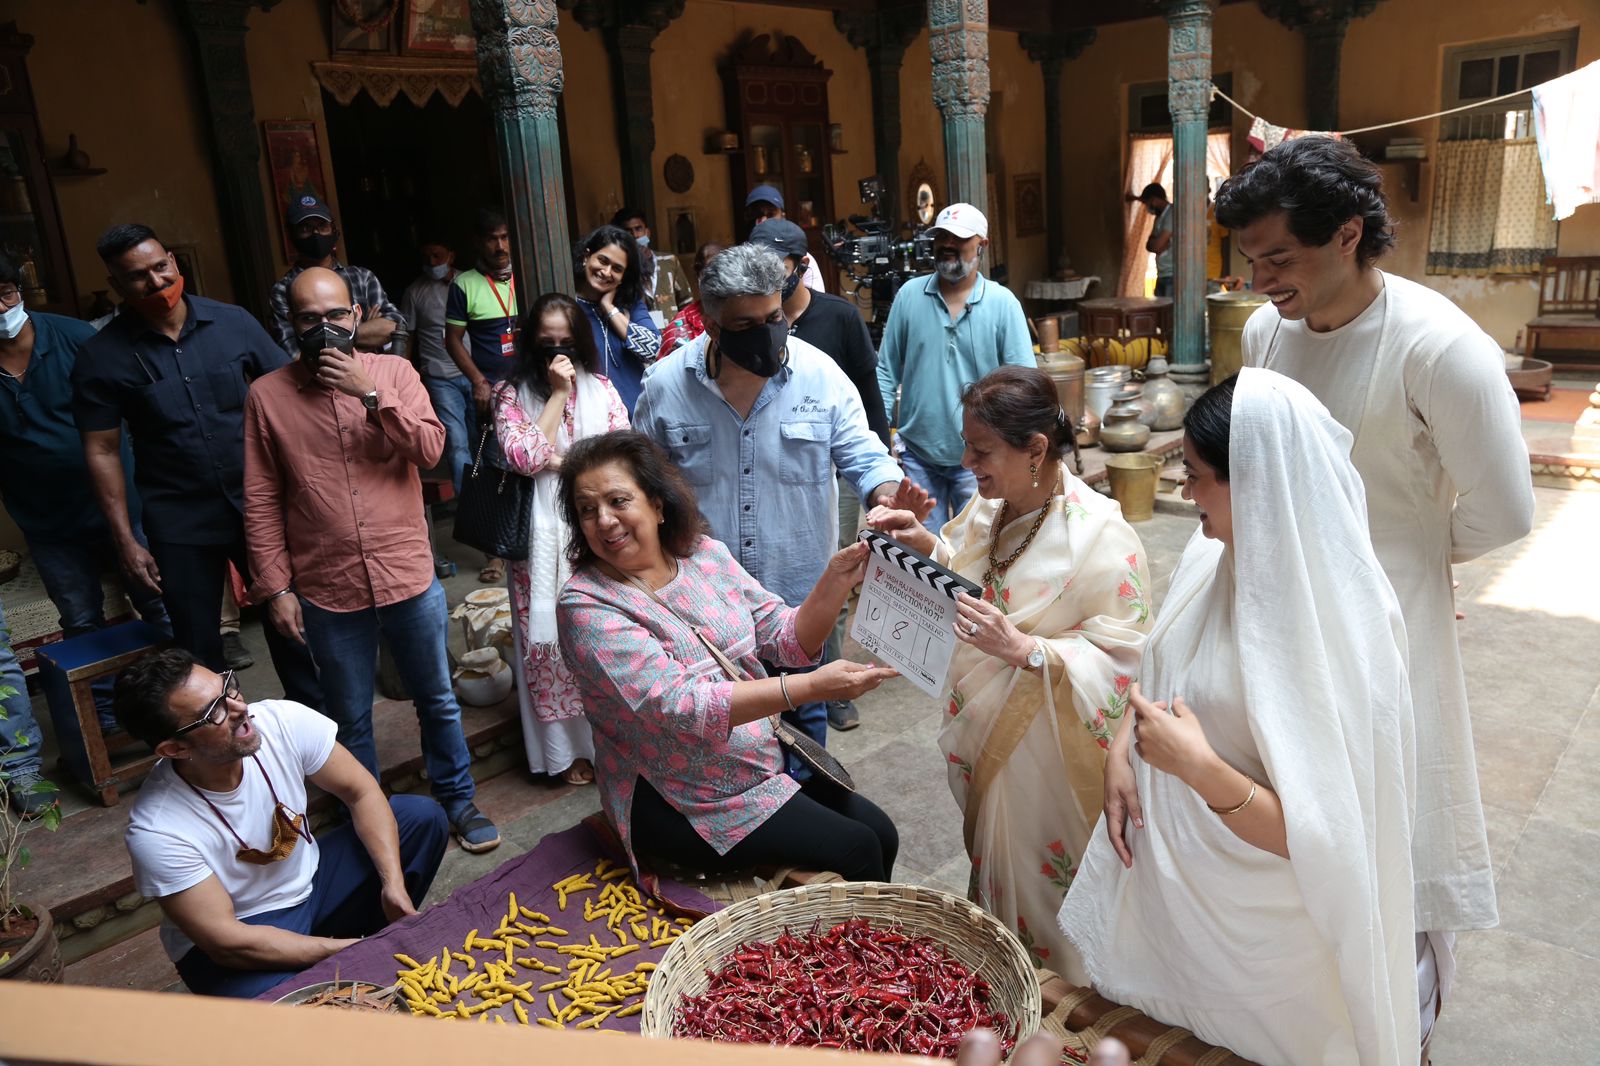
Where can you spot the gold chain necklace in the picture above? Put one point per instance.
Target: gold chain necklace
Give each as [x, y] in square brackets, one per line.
[995, 566]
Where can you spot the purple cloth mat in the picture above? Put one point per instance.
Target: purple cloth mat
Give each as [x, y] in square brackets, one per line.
[480, 905]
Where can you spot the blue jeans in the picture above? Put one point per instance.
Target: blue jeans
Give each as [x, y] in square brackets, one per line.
[345, 646]
[71, 571]
[452, 402]
[344, 900]
[1163, 287]
[19, 733]
[951, 486]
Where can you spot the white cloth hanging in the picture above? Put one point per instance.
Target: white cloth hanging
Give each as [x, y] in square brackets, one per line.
[1566, 120]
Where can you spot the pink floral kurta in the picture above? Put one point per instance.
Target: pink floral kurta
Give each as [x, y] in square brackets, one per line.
[551, 691]
[658, 702]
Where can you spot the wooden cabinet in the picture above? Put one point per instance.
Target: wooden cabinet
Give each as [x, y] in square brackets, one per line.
[30, 224]
[777, 94]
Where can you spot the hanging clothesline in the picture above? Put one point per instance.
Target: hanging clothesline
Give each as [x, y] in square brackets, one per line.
[1384, 125]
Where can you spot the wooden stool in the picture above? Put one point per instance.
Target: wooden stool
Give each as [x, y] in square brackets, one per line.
[67, 670]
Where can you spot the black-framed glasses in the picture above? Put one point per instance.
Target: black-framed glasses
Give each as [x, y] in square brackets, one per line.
[9, 295]
[339, 316]
[216, 711]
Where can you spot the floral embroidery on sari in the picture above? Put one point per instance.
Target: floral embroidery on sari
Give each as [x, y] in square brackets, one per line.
[1058, 869]
[1132, 590]
[1037, 952]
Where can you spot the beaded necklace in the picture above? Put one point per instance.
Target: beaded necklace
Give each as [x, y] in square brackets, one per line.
[995, 565]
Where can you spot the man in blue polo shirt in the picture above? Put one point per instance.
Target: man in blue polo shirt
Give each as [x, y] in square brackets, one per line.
[45, 486]
[944, 332]
[175, 368]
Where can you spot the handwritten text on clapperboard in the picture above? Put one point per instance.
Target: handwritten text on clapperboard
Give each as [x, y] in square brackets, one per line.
[906, 618]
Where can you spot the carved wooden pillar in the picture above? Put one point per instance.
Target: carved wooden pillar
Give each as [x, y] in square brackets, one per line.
[216, 30]
[630, 35]
[959, 40]
[1323, 23]
[1189, 99]
[884, 35]
[519, 66]
[1051, 51]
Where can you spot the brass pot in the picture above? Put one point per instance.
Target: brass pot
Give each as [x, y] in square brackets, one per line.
[1134, 480]
[1226, 314]
[1120, 429]
[1164, 397]
[1066, 372]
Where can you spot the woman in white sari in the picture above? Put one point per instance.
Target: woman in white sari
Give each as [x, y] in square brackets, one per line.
[554, 397]
[1253, 882]
[1047, 656]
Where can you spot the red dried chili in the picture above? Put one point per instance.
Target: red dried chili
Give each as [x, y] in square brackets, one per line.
[853, 987]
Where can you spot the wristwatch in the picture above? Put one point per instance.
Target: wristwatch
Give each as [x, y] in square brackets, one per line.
[370, 400]
[1036, 656]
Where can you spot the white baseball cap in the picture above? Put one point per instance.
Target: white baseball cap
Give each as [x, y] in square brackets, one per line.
[962, 220]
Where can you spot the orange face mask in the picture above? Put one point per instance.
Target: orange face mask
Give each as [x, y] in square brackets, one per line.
[159, 302]
[288, 828]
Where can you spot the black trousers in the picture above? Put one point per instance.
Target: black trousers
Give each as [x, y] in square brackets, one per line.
[192, 576]
[821, 827]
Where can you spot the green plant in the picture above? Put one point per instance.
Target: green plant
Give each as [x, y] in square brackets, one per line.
[14, 854]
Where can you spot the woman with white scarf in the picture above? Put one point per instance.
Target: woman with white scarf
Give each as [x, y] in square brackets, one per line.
[555, 396]
[1250, 879]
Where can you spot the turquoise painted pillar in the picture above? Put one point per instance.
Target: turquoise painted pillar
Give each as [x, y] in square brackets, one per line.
[1189, 98]
[519, 66]
[958, 38]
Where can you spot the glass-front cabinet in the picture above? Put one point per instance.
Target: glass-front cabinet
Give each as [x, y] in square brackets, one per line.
[777, 95]
[30, 224]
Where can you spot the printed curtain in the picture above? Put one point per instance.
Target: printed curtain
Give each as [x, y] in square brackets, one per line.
[1489, 210]
[1150, 159]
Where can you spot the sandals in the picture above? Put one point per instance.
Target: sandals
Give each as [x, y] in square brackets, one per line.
[579, 773]
[493, 572]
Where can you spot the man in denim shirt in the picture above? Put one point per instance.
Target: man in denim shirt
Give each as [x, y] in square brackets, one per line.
[757, 420]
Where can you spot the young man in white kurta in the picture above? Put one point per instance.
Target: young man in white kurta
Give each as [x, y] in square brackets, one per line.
[1438, 444]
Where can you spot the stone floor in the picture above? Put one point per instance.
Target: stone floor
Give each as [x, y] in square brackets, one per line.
[1531, 644]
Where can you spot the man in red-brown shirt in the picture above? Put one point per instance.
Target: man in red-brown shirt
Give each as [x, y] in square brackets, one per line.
[337, 538]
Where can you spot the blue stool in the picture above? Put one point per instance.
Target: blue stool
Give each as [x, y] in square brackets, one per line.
[67, 669]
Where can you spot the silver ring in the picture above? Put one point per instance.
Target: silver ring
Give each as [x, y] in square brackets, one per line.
[972, 629]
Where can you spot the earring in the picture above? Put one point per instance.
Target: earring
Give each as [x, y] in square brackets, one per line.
[1033, 471]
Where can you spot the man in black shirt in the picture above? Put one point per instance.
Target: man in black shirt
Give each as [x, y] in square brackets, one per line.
[832, 324]
[176, 368]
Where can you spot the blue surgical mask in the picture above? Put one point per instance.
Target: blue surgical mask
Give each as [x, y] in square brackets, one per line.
[12, 321]
[439, 271]
[644, 241]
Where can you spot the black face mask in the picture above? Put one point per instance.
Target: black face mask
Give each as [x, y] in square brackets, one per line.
[320, 336]
[758, 349]
[316, 245]
[791, 283]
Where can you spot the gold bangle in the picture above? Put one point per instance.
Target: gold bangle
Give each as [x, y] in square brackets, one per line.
[1235, 810]
[783, 685]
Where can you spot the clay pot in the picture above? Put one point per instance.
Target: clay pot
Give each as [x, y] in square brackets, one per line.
[39, 958]
[482, 679]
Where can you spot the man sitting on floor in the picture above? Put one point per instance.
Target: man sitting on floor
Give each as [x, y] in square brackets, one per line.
[220, 839]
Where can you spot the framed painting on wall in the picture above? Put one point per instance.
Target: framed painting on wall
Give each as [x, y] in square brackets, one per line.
[1029, 194]
[363, 25]
[439, 28]
[295, 160]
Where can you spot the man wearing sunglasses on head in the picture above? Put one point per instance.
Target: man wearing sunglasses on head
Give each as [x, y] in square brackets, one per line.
[220, 839]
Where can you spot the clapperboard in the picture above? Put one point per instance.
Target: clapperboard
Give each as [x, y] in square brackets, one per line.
[907, 612]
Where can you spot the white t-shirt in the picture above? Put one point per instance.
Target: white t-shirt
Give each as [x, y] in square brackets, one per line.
[176, 841]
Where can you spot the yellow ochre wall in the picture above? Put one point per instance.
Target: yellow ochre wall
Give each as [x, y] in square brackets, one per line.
[1392, 66]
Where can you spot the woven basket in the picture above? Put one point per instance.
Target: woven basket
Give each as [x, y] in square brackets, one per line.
[968, 933]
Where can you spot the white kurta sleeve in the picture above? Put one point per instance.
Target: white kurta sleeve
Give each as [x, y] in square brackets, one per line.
[1464, 397]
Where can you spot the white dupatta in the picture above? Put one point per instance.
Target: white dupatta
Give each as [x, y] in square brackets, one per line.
[1313, 959]
[547, 531]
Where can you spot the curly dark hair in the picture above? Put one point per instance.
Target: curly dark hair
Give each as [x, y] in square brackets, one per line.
[631, 289]
[1208, 423]
[1017, 402]
[141, 698]
[1321, 183]
[682, 524]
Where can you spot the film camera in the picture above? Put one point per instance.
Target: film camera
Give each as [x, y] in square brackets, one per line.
[871, 250]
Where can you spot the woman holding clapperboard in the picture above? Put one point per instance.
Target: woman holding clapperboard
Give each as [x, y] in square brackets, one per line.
[1047, 656]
